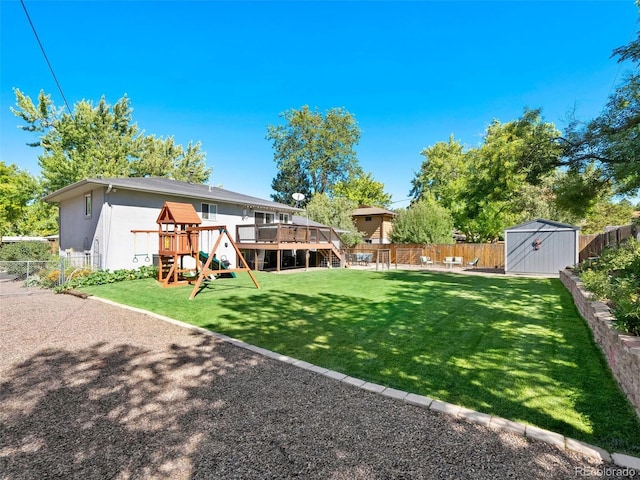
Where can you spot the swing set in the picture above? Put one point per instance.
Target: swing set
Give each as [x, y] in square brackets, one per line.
[146, 256]
[180, 259]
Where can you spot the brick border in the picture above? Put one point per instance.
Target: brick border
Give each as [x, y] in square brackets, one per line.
[622, 351]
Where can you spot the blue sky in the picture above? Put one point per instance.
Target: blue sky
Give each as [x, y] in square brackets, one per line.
[412, 73]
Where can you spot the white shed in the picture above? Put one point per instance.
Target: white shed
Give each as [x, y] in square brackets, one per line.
[540, 247]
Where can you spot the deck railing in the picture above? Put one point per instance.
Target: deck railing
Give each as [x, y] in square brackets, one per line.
[286, 233]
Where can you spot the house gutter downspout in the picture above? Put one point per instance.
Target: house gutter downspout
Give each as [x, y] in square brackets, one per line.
[106, 220]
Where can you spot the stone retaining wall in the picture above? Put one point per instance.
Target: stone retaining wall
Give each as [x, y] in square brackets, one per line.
[622, 351]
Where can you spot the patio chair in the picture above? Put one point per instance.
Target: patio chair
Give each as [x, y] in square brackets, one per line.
[425, 261]
[473, 263]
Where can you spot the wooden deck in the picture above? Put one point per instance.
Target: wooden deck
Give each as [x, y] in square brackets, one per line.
[279, 246]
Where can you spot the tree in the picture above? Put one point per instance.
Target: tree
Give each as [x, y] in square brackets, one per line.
[541, 201]
[443, 173]
[577, 192]
[483, 187]
[289, 180]
[363, 189]
[509, 159]
[18, 189]
[313, 151]
[443, 176]
[336, 212]
[163, 158]
[607, 147]
[41, 219]
[101, 140]
[607, 213]
[424, 221]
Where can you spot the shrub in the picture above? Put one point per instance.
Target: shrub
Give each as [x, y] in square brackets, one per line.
[12, 252]
[16, 255]
[615, 278]
[83, 278]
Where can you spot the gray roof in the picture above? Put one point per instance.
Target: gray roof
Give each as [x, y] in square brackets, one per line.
[306, 221]
[372, 211]
[300, 220]
[170, 187]
[543, 221]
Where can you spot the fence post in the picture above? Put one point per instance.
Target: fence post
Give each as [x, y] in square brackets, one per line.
[61, 278]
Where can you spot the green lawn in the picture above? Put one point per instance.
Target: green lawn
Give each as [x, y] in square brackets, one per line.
[512, 347]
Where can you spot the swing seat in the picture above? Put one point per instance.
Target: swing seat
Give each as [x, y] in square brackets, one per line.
[204, 256]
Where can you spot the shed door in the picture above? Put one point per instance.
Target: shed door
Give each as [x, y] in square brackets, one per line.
[556, 251]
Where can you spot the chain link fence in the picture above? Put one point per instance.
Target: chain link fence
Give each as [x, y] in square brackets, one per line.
[25, 277]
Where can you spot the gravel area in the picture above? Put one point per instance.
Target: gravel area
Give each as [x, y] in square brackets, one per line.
[92, 390]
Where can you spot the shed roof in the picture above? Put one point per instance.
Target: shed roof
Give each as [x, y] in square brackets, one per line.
[179, 214]
[542, 224]
[364, 210]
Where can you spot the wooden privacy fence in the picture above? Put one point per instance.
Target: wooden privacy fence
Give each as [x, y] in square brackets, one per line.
[490, 255]
[592, 245]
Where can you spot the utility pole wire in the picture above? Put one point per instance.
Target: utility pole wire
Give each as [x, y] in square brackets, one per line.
[45, 57]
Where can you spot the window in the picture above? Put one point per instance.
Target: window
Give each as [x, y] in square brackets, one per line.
[284, 218]
[263, 217]
[367, 219]
[87, 205]
[209, 211]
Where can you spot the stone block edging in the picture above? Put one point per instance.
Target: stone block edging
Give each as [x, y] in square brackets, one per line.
[498, 423]
[621, 351]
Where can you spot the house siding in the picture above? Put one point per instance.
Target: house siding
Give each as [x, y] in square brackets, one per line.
[139, 211]
[377, 230]
[123, 205]
[78, 232]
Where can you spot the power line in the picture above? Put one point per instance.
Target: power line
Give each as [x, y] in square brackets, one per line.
[45, 56]
[403, 200]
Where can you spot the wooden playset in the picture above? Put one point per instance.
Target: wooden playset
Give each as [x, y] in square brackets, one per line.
[180, 236]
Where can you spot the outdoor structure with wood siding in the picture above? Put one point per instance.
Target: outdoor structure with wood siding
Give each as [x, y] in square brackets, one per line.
[375, 223]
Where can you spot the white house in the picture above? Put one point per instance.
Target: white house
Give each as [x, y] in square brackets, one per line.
[98, 216]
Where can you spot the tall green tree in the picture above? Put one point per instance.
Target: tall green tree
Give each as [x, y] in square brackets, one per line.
[443, 176]
[484, 187]
[41, 219]
[162, 157]
[101, 140]
[18, 190]
[608, 213]
[541, 201]
[363, 189]
[313, 151]
[336, 212]
[606, 149]
[501, 168]
[424, 221]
